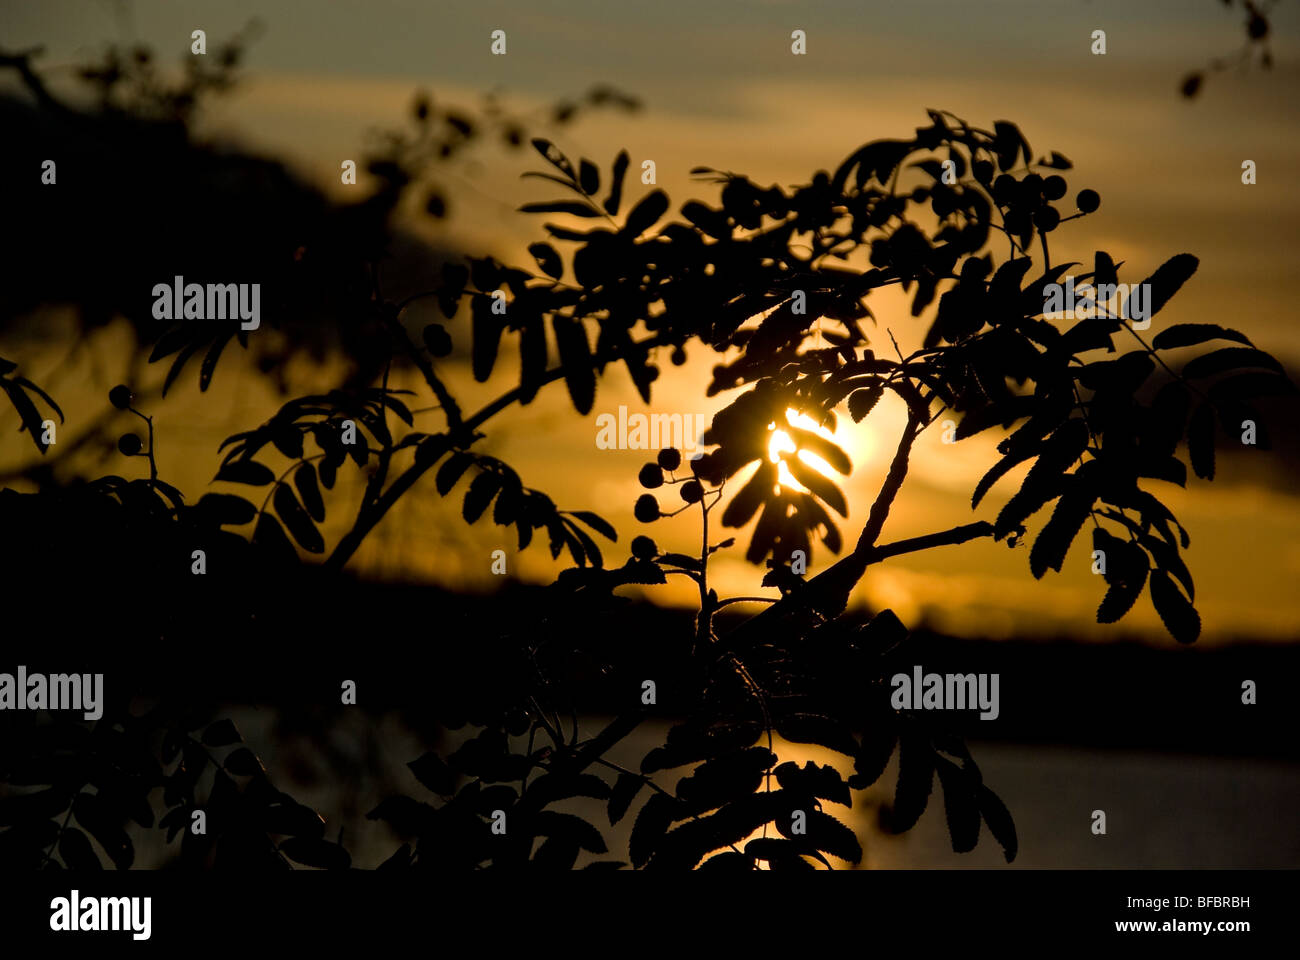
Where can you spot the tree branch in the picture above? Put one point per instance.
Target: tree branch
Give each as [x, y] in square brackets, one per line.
[458, 437]
[889, 489]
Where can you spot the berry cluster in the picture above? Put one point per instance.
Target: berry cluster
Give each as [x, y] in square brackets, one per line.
[652, 476]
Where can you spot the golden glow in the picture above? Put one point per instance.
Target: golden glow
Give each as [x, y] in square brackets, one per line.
[781, 442]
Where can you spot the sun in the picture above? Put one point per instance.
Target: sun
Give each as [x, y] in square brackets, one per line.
[853, 442]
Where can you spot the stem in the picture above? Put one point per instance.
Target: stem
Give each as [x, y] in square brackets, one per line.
[425, 367]
[703, 626]
[722, 604]
[153, 464]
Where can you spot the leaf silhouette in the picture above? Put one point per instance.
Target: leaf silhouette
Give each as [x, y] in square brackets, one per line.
[1176, 611]
[1165, 282]
[646, 213]
[296, 520]
[1190, 334]
[575, 356]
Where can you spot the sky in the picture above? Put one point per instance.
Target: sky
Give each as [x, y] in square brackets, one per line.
[721, 88]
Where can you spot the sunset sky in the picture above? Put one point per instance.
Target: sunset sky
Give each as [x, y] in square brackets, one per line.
[721, 88]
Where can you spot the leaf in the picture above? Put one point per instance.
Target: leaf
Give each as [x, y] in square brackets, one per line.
[555, 787]
[295, 519]
[487, 329]
[246, 471]
[572, 207]
[77, 852]
[1241, 385]
[815, 728]
[575, 358]
[876, 159]
[816, 481]
[997, 471]
[725, 778]
[744, 504]
[480, 493]
[432, 771]
[616, 183]
[1229, 358]
[24, 382]
[1200, 441]
[1176, 611]
[304, 478]
[548, 259]
[1053, 541]
[452, 470]
[646, 213]
[823, 782]
[209, 365]
[551, 153]
[915, 776]
[1008, 143]
[580, 544]
[873, 756]
[1126, 574]
[820, 446]
[225, 508]
[243, 763]
[179, 364]
[27, 412]
[1103, 269]
[959, 806]
[1165, 282]
[650, 826]
[861, 402]
[221, 734]
[548, 823]
[316, 853]
[626, 787]
[825, 833]
[597, 523]
[1046, 477]
[1188, 334]
[685, 846]
[588, 177]
[1166, 557]
[999, 821]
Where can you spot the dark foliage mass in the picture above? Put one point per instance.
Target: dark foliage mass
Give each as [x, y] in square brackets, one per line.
[777, 281]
